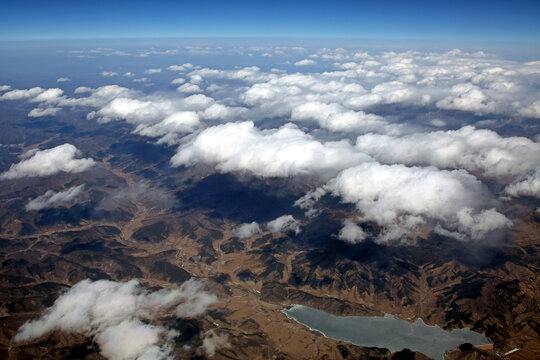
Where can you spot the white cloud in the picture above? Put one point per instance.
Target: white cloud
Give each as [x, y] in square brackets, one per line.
[453, 81]
[284, 223]
[533, 110]
[198, 102]
[141, 80]
[63, 79]
[308, 201]
[247, 230]
[112, 313]
[49, 162]
[52, 199]
[437, 123]
[467, 148]
[189, 88]
[39, 112]
[400, 198]
[133, 339]
[305, 62]
[222, 112]
[248, 74]
[22, 94]
[108, 73]
[213, 341]
[195, 79]
[97, 97]
[351, 233]
[5, 87]
[152, 71]
[526, 186]
[335, 117]
[283, 152]
[133, 110]
[169, 128]
[178, 81]
[184, 67]
[49, 95]
[467, 97]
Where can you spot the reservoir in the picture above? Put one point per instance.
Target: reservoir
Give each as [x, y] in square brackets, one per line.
[385, 332]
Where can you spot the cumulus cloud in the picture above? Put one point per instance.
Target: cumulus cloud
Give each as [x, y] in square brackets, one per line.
[249, 74]
[284, 223]
[178, 81]
[351, 233]
[170, 127]
[475, 150]
[39, 112]
[49, 162]
[283, 152]
[335, 117]
[528, 185]
[189, 88]
[400, 198]
[467, 97]
[108, 73]
[132, 110]
[49, 96]
[450, 81]
[5, 87]
[533, 110]
[184, 67]
[52, 199]
[305, 62]
[247, 230]
[22, 94]
[308, 201]
[152, 71]
[63, 79]
[154, 115]
[117, 316]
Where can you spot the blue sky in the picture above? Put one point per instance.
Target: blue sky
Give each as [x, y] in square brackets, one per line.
[425, 20]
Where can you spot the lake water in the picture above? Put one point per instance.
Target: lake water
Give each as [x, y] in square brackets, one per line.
[385, 332]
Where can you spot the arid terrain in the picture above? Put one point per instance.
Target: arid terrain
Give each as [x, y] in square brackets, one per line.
[143, 219]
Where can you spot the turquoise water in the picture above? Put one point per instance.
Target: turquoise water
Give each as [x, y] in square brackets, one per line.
[385, 332]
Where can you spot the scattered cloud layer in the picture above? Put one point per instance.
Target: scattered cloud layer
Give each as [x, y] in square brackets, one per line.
[119, 315]
[411, 115]
[49, 162]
